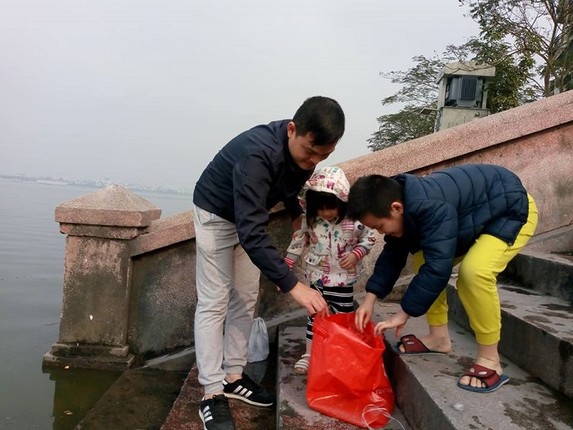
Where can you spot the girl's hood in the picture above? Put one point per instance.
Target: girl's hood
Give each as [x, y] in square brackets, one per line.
[327, 180]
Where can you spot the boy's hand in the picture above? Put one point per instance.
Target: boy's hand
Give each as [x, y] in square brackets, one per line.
[310, 299]
[397, 321]
[348, 261]
[364, 312]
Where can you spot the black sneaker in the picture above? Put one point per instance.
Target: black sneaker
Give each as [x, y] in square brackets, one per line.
[215, 414]
[247, 390]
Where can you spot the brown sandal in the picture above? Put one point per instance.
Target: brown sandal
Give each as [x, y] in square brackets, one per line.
[487, 376]
[414, 346]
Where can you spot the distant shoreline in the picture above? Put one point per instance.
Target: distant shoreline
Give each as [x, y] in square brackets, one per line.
[90, 184]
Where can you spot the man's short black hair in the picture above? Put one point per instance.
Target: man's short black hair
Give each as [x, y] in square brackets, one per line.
[374, 195]
[321, 116]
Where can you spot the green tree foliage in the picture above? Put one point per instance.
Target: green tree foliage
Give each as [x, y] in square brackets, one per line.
[512, 84]
[538, 33]
[528, 41]
[407, 124]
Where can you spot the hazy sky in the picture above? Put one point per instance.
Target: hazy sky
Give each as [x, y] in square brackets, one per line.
[147, 92]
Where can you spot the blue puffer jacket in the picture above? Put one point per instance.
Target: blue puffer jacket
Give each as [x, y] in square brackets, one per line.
[444, 213]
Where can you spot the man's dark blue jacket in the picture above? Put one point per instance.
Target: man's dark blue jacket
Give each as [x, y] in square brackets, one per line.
[444, 213]
[249, 176]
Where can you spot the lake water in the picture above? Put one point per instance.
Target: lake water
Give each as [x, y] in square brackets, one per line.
[31, 285]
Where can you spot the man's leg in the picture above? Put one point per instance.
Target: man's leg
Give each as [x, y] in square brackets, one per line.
[215, 242]
[242, 300]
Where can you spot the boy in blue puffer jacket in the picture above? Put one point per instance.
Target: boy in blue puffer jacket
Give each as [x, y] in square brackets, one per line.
[478, 215]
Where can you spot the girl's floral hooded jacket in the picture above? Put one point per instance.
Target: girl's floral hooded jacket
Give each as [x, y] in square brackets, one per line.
[328, 242]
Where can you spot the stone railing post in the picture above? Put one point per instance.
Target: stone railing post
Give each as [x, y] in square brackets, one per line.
[95, 309]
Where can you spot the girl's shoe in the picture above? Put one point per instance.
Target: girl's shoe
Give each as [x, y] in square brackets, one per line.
[301, 366]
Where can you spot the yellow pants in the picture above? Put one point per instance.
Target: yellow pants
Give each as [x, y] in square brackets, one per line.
[477, 279]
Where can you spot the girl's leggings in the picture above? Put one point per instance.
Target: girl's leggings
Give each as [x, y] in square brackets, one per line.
[477, 278]
[339, 300]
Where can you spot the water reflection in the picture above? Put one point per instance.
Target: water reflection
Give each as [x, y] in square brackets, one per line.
[76, 391]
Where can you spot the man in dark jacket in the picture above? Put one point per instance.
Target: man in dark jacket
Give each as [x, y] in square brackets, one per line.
[256, 170]
[479, 215]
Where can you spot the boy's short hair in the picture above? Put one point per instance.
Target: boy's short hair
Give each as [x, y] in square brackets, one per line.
[321, 116]
[373, 194]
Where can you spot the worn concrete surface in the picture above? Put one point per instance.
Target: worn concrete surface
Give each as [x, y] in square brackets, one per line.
[428, 395]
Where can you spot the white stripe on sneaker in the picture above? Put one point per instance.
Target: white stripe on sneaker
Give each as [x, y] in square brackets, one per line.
[248, 392]
[207, 416]
[243, 391]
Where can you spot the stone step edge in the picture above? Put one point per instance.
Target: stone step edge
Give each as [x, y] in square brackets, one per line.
[545, 273]
[427, 393]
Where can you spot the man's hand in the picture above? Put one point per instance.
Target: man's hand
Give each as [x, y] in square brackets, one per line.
[348, 261]
[310, 299]
[364, 312]
[397, 321]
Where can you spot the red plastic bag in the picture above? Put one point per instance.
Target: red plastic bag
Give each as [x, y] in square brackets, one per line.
[346, 377]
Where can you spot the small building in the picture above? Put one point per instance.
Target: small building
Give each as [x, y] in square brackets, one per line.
[462, 93]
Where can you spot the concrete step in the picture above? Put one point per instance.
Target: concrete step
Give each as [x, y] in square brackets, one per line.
[426, 390]
[550, 274]
[294, 412]
[537, 333]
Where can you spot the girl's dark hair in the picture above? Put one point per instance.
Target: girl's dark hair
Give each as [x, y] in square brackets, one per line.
[316, 200]
[373, 194]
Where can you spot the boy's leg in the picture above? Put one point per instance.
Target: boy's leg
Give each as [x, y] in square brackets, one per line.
[438, 338]
[437, 315]
[215, 242]
[477, 288]
[242, 300]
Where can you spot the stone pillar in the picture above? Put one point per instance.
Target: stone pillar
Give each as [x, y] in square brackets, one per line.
[95, 310]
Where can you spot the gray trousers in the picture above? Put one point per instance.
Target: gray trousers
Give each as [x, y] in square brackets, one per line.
[227, 291]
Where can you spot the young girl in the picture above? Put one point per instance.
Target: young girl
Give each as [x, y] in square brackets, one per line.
[335, 244]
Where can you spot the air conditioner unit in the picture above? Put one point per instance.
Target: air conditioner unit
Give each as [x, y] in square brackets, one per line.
[464, 91]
